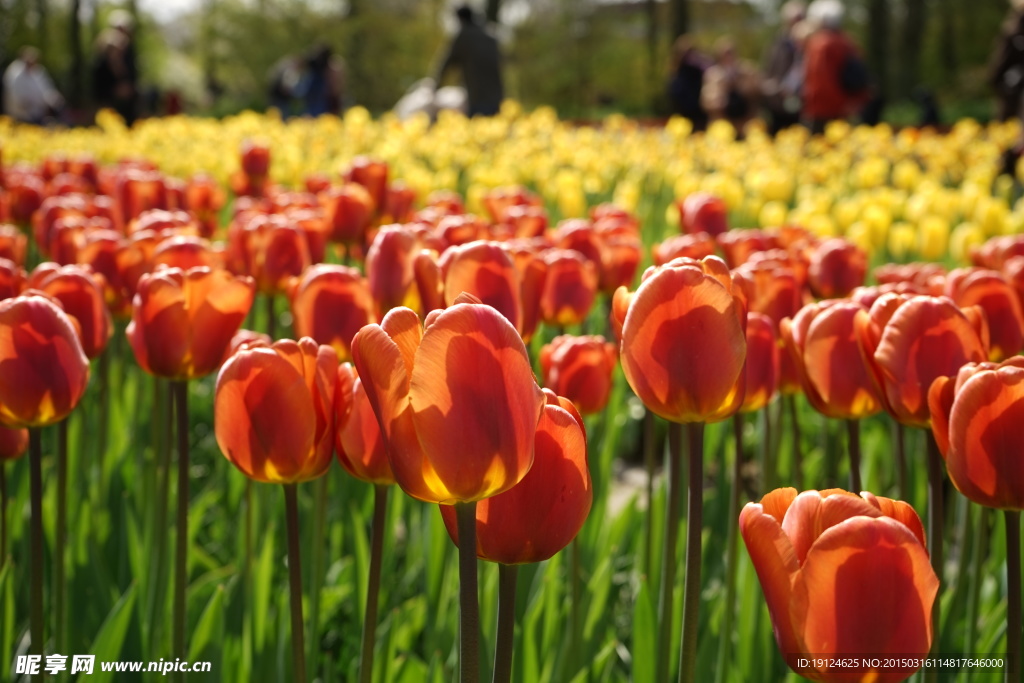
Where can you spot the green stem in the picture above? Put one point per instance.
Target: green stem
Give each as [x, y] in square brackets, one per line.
[691, 584]
[59, 560]
[377, 531]
[649, 433]
[936, 519]
[1013, 616]
[36, 616]
[668, 557]
[575, 608]
[271, 317]
[247, 568]
[469, 607]
[104, 399]
[901, 460]
[731, 554]
[979, 550]
[3, 513]
[507, 574]
[163, 417]
[317, 573]
[180, 390]
[291, 506]
[853, 441]
[798, 452]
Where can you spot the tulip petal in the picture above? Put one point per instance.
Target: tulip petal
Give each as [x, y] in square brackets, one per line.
[813, 512]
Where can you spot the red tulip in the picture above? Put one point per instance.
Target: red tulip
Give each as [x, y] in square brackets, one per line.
[12, 279]
[822, 342]
[373, 175]
[684, 340]
[908, 342]
[44, 368]
[762, 373]
[331, 304]
[580, 369]
[837, 268]
[398, 202]
[843, 576]
[204, 198]
[570, 287]
[703, 212]
[348, 210]
[13, 244]
[485, 270]
[695, 246]
[273, 410]
[739, 245]
[13, 443]
[255, 159]
[183, 321]
[976, 418]
[358, 444]
[186, 251]
[541, 514]
[457, 402]
[81, 297]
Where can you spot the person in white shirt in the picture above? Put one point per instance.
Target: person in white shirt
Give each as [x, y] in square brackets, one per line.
[29, 94]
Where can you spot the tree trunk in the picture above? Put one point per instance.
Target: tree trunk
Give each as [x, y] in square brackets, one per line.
[913, 36]
[680, 17]
[653, 72]
[492, 11]
[947, 39]
[878, 44]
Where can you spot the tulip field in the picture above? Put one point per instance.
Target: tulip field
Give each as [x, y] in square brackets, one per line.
[510, 399]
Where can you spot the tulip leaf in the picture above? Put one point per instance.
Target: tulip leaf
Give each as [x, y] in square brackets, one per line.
[110, 638]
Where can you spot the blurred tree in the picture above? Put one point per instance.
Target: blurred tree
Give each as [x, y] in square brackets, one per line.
[492, 11]
[76, 82]
[914, 27]
[878, 44]
[680, 18]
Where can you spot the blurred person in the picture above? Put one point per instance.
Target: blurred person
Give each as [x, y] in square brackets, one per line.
[731, 86]
[835, 75]
[475, 52]
[322, 85]
[286, 76]
[1006, 70]
[783, 70]
[115, 73]
[686, 81]
[29, 93]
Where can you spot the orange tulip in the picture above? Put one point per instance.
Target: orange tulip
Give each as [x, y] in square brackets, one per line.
[739, 245]
[398, 202]
[684, 340]
[44, 369]
[13, 443]
[837, 267]
[390, 268]
[570, 287]
[205, 198]
[81, 297]
[540, 515]
[12, 279]
[976, 418]
[13, 244]
[273, 410]
[695, 246]
[580, 369]
[457, 402]
[139, 191]
[843, 575]
[371, 174]
[331, 304]
[358, 442]
[348, 210]
[186, 251]
[762, 374]
[908, 342]
[822, 342]
[275, 252]
[485, 270]
[992, 293]
[183, 321]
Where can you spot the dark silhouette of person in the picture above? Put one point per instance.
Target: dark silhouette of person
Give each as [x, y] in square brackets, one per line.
[783, 71]
[1006, 70]
[115, 73]
[322, 87]
[475, 52]
[686, 81]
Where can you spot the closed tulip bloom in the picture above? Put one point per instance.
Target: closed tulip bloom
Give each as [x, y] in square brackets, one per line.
[358, 441]
[186, 251]
[837, 268]
[684, 340]
[204, 198]
[976, 418]
[485, 270]
[246, 338]
[843, 575]
[992, 293]
[695, 246]
[908, 342]
[139, 191]
[44, 368]
[822, 343]
[762, 373]
[703, 212]
[570, 287]
[739, 245]
[1013, 271]
[390, 268]
[398, 202]
[12, 279]
[373, 175]
[457, 402]
[348, 210]
[81, 297]
[276, 252]
[273, 410]
[330, 304]
[580, 369]
[13, 443]
[13, 244]
[183, 321]
[540, 515]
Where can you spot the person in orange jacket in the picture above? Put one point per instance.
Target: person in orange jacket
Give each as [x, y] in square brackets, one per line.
[836, 82]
